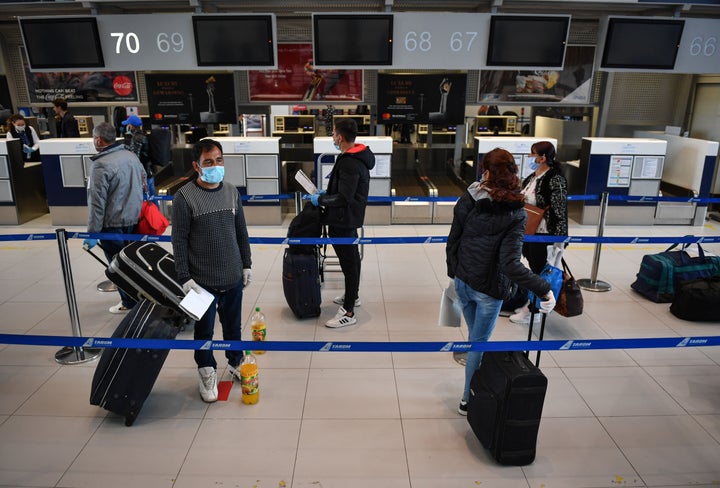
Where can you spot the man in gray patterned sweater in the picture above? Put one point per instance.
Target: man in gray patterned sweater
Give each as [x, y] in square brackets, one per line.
[212, 251]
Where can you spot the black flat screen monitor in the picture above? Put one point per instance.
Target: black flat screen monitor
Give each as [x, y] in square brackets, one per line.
[529, 41]
[62, 42]
[234, 40]
[352, 39]
[642, 43]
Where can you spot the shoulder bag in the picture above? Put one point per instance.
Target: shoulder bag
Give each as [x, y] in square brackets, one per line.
[534, 216]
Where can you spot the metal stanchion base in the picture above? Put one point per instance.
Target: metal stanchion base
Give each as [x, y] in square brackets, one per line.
[107, 285]
[76, 355]
[590, 285]
[460, 358]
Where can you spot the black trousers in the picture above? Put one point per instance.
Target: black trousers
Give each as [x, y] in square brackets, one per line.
[349, 258]
[536, 254]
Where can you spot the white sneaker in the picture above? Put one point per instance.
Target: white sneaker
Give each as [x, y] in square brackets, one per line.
[341, 320]
[208, 384]
[234, 371]
[119, 308]
[523, 317]
[341, 300]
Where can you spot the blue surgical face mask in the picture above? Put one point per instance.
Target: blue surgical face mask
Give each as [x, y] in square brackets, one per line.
[213, 174]
[531, 163]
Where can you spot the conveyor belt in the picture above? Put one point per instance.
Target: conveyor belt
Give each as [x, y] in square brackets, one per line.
[445, 185]
[406, 184]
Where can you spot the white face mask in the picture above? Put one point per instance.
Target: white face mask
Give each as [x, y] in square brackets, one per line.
[20, 128]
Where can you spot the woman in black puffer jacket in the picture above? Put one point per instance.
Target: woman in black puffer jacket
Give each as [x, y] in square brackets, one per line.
[483, 252]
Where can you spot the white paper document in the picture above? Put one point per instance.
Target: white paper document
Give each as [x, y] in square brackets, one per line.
[196, 304]
[305, 182]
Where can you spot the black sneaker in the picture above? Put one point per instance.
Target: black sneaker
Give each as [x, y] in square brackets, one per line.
[462, 408]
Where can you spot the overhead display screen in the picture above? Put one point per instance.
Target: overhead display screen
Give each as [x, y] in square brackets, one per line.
[234, 40]
[353, 39]
[642, 44]
[62, 42]
[536, 40]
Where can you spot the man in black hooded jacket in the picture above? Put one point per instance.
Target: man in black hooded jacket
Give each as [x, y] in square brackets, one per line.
[345, 202]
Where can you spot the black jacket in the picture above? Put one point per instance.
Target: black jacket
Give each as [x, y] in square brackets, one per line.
[348, 188]
[68, 126]
[551, 193]
[485, 243]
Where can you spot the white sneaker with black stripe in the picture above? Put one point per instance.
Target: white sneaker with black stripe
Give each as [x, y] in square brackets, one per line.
[341, 300]
[341, 319]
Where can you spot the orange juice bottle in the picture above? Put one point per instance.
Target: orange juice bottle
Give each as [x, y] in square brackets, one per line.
[258, 326]
[249, 379]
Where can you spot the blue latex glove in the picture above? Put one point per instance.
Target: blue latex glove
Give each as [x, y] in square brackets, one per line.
[27, 149]
[89, 243]
[314, 198]
[321, 192]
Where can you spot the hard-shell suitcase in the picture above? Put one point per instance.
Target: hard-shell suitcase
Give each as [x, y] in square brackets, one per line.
[505, 405]
[301, 283]
[124, 377]
[146, 270]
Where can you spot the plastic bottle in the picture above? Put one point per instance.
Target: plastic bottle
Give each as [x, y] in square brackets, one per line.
[258, 326]
[249, 379]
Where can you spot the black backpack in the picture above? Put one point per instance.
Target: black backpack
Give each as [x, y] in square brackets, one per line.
[305, 224]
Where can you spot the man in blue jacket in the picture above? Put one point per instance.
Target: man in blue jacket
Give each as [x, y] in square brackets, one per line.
[345, 202]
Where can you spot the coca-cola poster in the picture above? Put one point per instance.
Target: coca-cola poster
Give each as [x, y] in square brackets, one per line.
[297, 79]
[81, 86]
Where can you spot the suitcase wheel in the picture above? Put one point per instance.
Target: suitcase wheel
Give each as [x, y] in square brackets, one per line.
[130, 419]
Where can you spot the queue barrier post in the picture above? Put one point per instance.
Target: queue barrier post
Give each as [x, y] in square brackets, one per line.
[592, 283]
[298, 202]
[75, 354]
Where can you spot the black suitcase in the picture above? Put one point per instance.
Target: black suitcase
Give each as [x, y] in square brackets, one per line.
[301, 283]
[124, 377]
[505, 406]
[146, 270]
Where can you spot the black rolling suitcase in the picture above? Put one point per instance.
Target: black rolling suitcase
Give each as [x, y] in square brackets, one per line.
[146, 270]
[301, 283]
[301, 265]
[505, 406]
[124, 377]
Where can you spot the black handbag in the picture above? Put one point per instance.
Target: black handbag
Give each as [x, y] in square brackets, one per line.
[570, 300]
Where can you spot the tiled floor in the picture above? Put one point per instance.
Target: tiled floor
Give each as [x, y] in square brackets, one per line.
[640, 417]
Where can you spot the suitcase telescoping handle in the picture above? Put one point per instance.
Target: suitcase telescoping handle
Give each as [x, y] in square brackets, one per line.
[89, 251]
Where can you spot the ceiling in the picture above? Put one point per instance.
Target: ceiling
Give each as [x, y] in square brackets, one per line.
[579, 9]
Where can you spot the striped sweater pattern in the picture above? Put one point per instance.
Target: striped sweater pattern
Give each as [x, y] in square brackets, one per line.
[209, 236]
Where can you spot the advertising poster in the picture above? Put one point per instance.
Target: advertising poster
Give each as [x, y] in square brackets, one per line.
[85, 86]
[421, 99]
[199, 98]
[297, 80]
[572, 85]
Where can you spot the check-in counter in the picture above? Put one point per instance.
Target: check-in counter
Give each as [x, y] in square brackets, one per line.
[618, 166]
[252, 164]
[688, 172]
[22, 190]
[379, 213]
[66, 167]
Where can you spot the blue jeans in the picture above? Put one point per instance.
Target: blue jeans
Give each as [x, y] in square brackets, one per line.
[111, 248]
[228, 305]
[481, 312]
